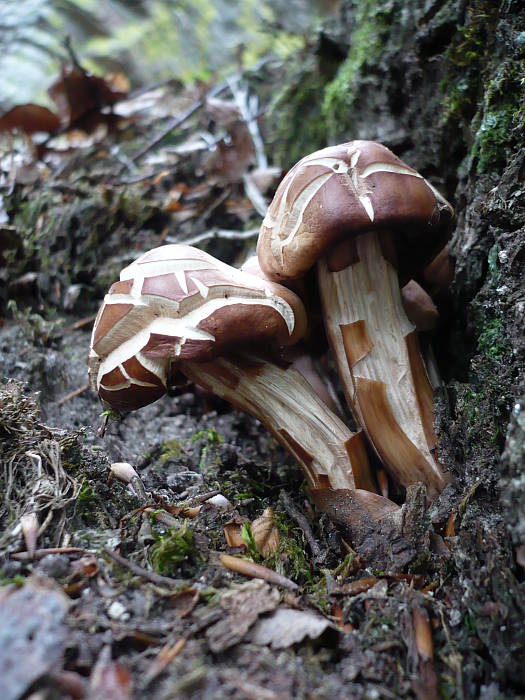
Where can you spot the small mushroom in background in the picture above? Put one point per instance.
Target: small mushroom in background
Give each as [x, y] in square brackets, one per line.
[178, 309]
[363, 216]
[419, 307]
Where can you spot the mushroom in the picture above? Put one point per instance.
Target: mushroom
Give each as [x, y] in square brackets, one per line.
[178, 308]
[298, 355]
[419, 307]
[363, 215]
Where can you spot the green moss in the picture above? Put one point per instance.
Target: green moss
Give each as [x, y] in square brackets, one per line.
[212, 438]
[492, 340]
[492, 138]
[290, 559]
[87, 505]
[17, 580]
[171, 449]
[503, 117]
[372, 26]
[492, 109]
[86, 495]
[464, 61]
[296, 123]
[210, 435]
[171, 549]
[37, 329]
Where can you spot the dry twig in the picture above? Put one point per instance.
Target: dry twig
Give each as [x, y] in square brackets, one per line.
[303, 523]
[139, 571]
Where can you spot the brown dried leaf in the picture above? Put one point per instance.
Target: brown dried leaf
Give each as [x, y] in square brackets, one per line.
[229, 162]
[286, 627]
[265, 534]
[248, 568]
[232, 534]
[184, 601]
[77, 92]
[30, 119]
[360, 586]
[85, 566]
[164, 658]
[242, 606]
[110, 680]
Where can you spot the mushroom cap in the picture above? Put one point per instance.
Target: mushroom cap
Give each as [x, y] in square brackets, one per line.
[343, 191]
[179, 303]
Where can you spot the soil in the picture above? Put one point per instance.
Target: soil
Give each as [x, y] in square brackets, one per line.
[442, 86]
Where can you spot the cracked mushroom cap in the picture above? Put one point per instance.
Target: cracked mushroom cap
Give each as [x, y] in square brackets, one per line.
[347, 190]
[177, 303]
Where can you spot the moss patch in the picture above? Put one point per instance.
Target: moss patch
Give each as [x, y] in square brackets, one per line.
[172, 549]
[371, 28]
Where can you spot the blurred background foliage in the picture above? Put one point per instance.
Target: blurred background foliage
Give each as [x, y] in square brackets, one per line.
[148, 40]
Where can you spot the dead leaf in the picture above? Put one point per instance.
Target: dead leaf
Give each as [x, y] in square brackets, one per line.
[338, 615]
[360, 586]
[265, 534]
[30, 119]
[29, 525]
[110, 680]
[184, 601]
[232, 534]
[33, 634]
[242, 606]
[266, 179]
[86, 566]
[286, 627]
[232, 157]
[77, 92]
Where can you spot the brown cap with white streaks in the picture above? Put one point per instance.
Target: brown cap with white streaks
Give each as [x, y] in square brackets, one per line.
[346, 190]
[178, 303]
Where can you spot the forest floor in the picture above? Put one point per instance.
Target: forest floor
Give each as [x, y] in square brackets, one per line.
[118, 590]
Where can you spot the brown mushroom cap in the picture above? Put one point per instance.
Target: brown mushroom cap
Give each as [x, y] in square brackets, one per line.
[179, 303]
[347, 189]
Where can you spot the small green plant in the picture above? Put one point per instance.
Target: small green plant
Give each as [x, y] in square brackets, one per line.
[171, 449]
[37, 329]
[17, 580]
[249, 541]
[290, 559]
[171, 549]
[211, 437]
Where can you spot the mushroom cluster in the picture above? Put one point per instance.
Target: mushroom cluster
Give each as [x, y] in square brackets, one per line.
[370, 224]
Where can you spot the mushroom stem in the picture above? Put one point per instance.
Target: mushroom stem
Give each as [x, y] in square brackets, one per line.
[330, 455]
[377, 353]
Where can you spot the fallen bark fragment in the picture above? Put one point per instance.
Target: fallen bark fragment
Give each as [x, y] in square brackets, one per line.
[242, 606]
[286, 627]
